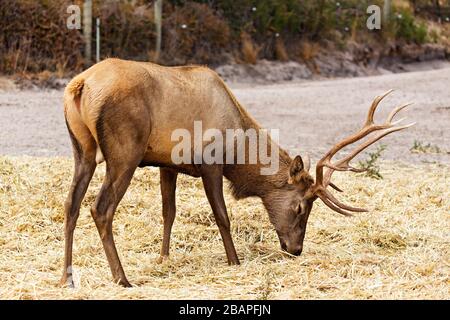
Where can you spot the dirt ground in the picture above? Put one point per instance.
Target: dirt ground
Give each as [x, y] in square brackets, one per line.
[311, 115]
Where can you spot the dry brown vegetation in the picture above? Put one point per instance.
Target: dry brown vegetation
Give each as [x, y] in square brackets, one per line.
[400, 249]
[35, 38]
[248, 49]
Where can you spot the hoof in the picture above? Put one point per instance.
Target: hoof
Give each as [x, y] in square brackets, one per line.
[162, 259]
[66, 282]
[234, 263]
[124, 283]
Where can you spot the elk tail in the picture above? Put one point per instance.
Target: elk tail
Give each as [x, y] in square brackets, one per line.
[72, 99]
[73, 92]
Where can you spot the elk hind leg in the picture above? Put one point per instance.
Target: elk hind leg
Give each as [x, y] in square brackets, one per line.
[117, 179]
[84, 157]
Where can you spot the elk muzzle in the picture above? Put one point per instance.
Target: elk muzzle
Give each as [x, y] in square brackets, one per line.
[294, 249]
[292, 245]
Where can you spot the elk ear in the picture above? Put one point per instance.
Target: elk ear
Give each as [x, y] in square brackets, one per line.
[295, 169]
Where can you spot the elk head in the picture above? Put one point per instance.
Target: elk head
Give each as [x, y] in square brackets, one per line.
[289, 207]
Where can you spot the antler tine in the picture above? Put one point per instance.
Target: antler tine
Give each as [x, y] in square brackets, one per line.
[389, 125]
[341, 205]
[369, 142]
[397, 122]
[323, 178]
[333, 206]
[343, 164]
[397, 110]
[368, 128]
[374, 106]
[335, 187]
[347, 167]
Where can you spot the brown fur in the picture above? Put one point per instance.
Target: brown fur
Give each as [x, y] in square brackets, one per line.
[123, 112]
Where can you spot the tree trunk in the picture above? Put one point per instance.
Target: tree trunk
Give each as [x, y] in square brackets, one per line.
[87, 31]
[387, 11]
[158, 23]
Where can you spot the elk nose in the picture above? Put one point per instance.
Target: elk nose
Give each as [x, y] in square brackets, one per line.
[296, 250]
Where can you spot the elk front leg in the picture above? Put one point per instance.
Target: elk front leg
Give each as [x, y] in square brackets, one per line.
[116, 182]
[168, 182]
[212, 177]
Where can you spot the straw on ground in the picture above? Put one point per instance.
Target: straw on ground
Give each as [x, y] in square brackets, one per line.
[400, 249]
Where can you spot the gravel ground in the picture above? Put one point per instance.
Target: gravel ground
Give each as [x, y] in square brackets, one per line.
[311, 115]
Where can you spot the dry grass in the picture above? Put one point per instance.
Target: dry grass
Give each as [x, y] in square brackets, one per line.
[249, 49]
[398, 250]
[280, 50]
[308, 51]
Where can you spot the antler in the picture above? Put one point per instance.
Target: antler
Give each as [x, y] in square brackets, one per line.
[323, 179]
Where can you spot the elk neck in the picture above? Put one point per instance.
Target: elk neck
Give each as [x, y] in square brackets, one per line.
[246, 180]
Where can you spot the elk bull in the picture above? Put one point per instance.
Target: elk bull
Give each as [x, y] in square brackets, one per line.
[124, 112]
